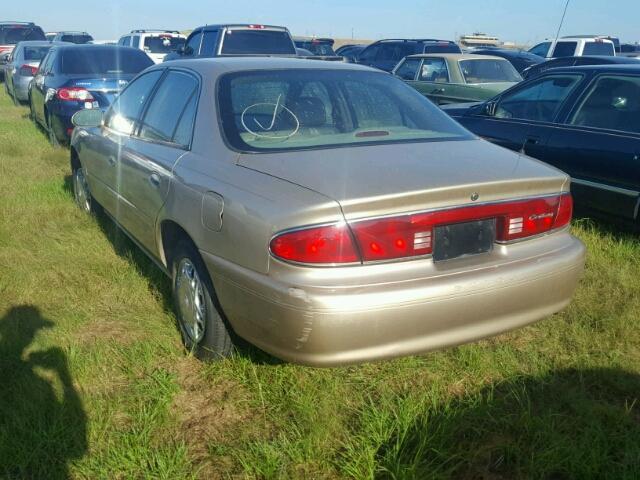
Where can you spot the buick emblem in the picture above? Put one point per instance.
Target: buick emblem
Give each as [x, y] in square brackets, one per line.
[474, 196]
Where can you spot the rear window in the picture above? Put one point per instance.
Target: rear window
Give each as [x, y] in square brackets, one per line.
[35, 53]
[564, 49]
[257, 42]
[301, 109]
[92, 60]
[488, 71]
[599, 48]
[163, 44]
[10, 35]
[444, 47]
[79, 39]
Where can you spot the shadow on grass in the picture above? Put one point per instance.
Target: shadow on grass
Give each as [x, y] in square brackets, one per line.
[158, 282]
[42, 421]
[571, 424]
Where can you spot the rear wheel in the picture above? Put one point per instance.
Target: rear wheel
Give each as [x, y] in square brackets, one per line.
[203, 328]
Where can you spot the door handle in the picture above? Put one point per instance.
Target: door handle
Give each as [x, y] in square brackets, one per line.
[532, 141]
[154, 179]
[438, 90]
[111, 160]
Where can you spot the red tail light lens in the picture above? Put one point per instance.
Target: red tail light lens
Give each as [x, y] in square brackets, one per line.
[27, 71]
[412, 235]
[331, 244]
[75, 94]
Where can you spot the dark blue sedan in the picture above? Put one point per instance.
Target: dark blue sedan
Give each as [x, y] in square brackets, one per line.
[583, 120]
[73, 77]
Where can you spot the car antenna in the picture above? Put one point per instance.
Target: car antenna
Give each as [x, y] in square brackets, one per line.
[566, 6]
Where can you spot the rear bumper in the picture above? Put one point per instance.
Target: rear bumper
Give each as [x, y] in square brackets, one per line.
[326, 317]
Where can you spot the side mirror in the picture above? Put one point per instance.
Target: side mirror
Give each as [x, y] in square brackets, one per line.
[88, 118]
[181, 50]
[5, 57]
[490, 108]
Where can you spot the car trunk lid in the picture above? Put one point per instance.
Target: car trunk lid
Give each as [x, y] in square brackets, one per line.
[104, 89]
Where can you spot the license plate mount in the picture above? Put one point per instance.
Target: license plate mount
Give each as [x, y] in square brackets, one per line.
[463, 239]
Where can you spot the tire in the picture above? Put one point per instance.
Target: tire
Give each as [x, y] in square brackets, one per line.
[202, 325]
[82, 194]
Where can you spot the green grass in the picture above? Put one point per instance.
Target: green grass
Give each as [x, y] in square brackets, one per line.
[95, 383]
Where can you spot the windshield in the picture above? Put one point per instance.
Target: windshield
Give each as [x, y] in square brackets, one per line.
[77, 38]
[35, 53]
[301, 109]
[104, 60]
[488, 71]
[10, 35]
[163, 44]
[255, 41]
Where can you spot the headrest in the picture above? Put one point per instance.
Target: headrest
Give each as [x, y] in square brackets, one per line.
[310, 111]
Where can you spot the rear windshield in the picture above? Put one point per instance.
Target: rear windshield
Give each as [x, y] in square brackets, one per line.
[257, 42]
[97, 60]
[301, 109]
[564, 49]
[488, 71]
[163, 44]
[79, 39]
[599, 48]
[35, 53]
[10, 35]
[444, 47]
[318, 48]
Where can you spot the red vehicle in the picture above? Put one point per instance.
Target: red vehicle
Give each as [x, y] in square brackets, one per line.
[13, 32]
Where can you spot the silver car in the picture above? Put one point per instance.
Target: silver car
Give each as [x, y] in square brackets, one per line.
[21, 67]
[327, 213]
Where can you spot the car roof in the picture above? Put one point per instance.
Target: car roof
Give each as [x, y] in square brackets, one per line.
[456, 56]
[605, 58]
[417, 40]
[91, 46]
[71, 32]
[626, 68]
[505, 52]
[240, 25]
[573, 39]
[219, 65]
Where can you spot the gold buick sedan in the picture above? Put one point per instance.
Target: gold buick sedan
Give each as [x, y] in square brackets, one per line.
[327, 213]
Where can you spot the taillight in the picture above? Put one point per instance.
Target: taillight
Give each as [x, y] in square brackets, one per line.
[329, 244]
[257, 27]
[27, 71]
[75, 94]
[412, 235]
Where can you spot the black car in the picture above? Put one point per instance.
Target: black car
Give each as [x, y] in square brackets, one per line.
[521, 60]
[317, 46]
[74, 77]
[385, 54]
[583, 120]
[217, 40]
[576, 61]
[350, 52]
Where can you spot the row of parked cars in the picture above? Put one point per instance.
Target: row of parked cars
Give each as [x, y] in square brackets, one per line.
[330, 213]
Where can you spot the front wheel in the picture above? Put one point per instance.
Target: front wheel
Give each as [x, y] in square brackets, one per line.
[81, 192]
[203, 328]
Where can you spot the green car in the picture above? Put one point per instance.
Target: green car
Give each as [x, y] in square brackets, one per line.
[457, 78]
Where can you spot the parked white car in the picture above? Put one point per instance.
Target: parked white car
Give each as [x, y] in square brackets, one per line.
[575, 47]
[155, 43]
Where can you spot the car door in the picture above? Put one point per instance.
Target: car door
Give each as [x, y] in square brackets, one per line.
[434, 81]
[38, 87]
[521, 118]
[598, 144]
[103, 151]
[146, 163]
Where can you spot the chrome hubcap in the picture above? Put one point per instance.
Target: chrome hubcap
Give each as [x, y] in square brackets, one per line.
[190, 293]
[81, 190]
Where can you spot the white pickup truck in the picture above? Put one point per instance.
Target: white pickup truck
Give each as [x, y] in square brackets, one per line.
[575, 47]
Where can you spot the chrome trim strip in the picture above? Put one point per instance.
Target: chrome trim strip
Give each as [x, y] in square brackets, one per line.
[603, 186]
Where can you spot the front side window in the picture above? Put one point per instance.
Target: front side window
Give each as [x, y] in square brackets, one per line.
[249, 41]
[599, 48]
[408, 69]
[301, 109]
[124, 41]
[369, 53]
[488, 71]
[565, 49]
[168, 107]
[193, 45]
[539, 101]
[612, 103]
[434, 70]
[126, 110]
[542, 49]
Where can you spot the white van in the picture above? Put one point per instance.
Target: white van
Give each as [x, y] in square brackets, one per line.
[575, 47]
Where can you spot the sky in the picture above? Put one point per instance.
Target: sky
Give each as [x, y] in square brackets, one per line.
[520, 21]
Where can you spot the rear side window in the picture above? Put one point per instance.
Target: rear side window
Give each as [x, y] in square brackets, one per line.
[599, 48]
[257, 42]
[312, 108]
[408, 69]
[538, 101]
[564, 49]
[77, 38]
[488, 71]
[434, 70]
[395, 51]
[101, 60]
[612, 103]
[171, 105]
[126, 110]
